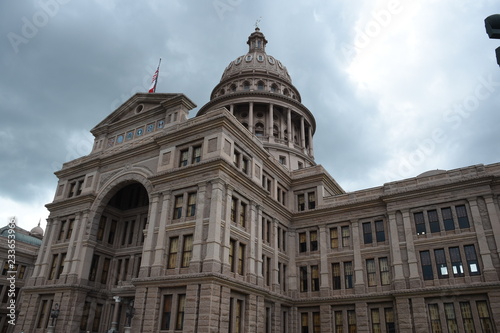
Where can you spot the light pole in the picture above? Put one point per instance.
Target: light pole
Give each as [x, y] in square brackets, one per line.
[492, 25]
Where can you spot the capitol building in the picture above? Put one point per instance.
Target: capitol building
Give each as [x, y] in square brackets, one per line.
[224, 222]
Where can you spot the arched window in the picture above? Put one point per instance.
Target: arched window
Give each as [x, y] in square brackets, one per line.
[246, 85]
[260, 85]
[274, 88]
[222, 92]
[259, 129]
[286, 92]
[233, 87]
[276, 132]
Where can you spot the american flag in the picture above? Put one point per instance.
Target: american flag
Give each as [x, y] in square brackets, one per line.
[152, 88]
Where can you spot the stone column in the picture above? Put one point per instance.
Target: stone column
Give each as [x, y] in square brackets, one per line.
[210, 303]
[250, 117]
[404, 314]
[325, 313]
[114, 322]
[311, 145]
[289, 127]
[159, 251]
[397, 263]
[231, 108]
[494, 219]
[359, 277]
[362, 319]
[253, 257]
[212, 262]
[79, 230]
[148, 242]
[274, 244]
[489, 271]
[302, 134]
[415, 280]
[271, 122]
[52, 225]
[324, 269]
[226, 265]
[195, 265]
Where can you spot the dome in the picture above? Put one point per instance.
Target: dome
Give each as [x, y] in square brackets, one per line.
[256, 60]
[37, 231]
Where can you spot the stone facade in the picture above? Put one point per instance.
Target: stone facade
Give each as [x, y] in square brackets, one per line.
[224, 223]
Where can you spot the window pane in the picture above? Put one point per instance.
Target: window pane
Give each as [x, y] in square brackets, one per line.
[346, 236]
[456, 262]
[463, 220]
[468, 321]
[384, 271]
[367, 233]
[375, 314]
[313, 235]
[448, 222]
[334, 238]
[484, 316]
[472, 263]
[379, 228]
[441, 265]
[371, 272]
[425, 259]
[336, 276]
[419, 223]
[172, 253]
[167, 310]
[348, 273]
[434, 317]
[433, 221]
[451, 320]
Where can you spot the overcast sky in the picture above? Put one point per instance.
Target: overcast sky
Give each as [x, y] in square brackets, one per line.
[397, 87]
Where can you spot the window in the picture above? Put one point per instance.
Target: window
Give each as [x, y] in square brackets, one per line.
[196, 154]
[236, 308]
[433, 221]
[178, 202]
[71, 223]
[313, 237]
[371, 272]
[384, 271]
[100, 230]
[179, 322]
[301, 202]
[266, 270]
[85, 316]
[348, 275]
[305, 322]
[105, 270]
[334, 238]
[463, 220]
[351, 321]
[237, 256]
[456, 262]
[346, 236]
[111, 234]
[303, 278]
[302, 242]
[259, 129]
[375, 316]
[166, 313]
[187, 250]
[470, 256]
[468, 321]
[314, 278]
[336, 276]
[451, 319]
[380, 233]
[339, 322]
[53, 266]
[44, 313]
[191, 208]
[367, 232]
[448, 222]
[282, 160]
[311, 200]
[419, 223]
[97, 318]
[389, 320]
[93, 267]
[434, 317]
[425, 259]
[243, 208]
[441, 266]
[184, 157]
[172, 252]
[62, 230]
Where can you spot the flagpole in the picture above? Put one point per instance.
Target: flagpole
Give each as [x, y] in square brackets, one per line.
[159, 63]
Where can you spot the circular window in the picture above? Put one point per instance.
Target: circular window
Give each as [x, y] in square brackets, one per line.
[280, 65]
[244, 115]
[260, 58]
[139, 108]
[238, 60]
[260, 115]
[233, 87]
[271, 60]
[249, 57]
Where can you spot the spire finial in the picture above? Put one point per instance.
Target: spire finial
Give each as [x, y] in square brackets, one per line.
[257, 24]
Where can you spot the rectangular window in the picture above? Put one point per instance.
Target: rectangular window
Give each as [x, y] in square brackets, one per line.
[234, 203]
[448, 222]
[239, 316]
[172, 252]
[301, 202]
[456, 262]
[384, 271]
[100, 230]
[304, 322]
[380, 233]
[313, 238]
[389, 320]
[468, 321]
[484, 316]
[303, 278]
[316, 322]
[184, 157]
[243, 208]
[166, 313]
[463, 220]
[451, 319]
[419, 223]
[62, 230]
[191, 208]
[97, 318]
[105, 270]
[112, 230]
[302, 242]
[351, 321]
[375, 314]
[22, 270]
[93, 267]
[336, 276]
[232, 255]
[60, 269]
[371, 272]
[334, 238]
[85, 316]
[178, 203]
[241, 259]
[53, 267]
[187, 250]
[441, 266]
[314, 278]
[434, 317]
[71, 223]
[425, 259]
[433, 221]
[470, 256]
[179, 322]
[339, 322]
[43, 315]
[196, 154]
[346, 236]
[367, 233]
[311, 200]
[348, 275]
